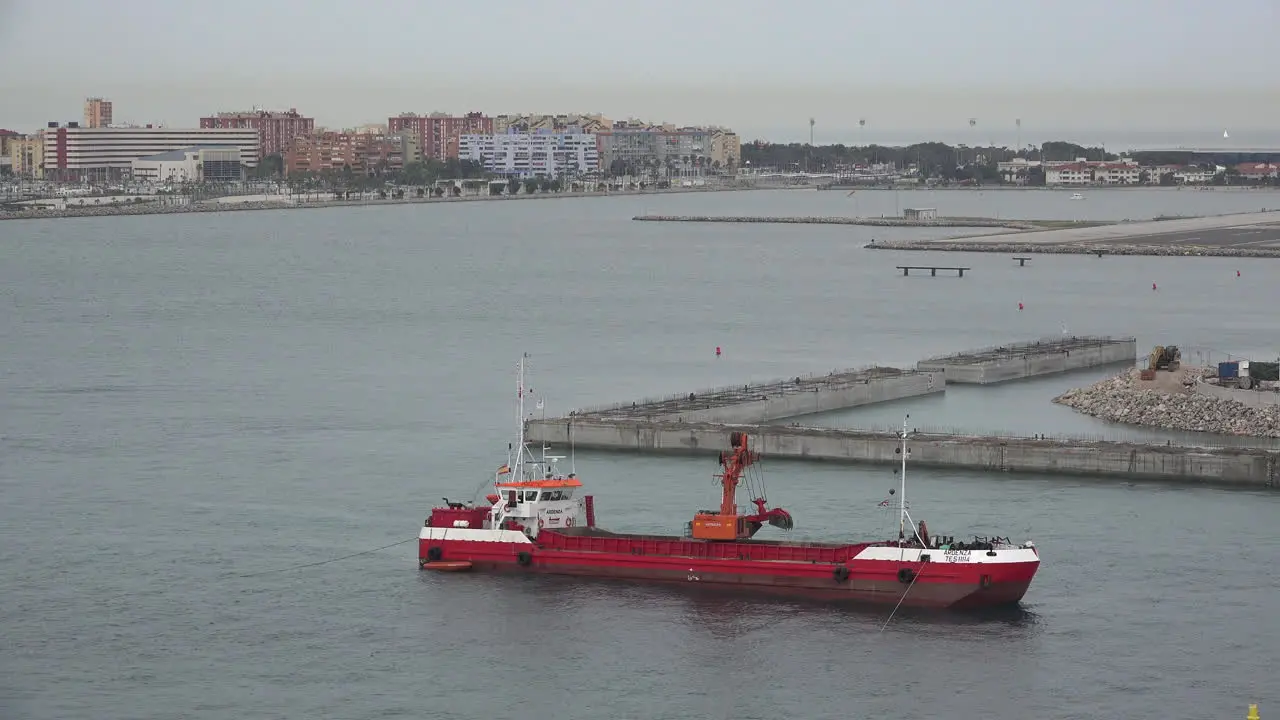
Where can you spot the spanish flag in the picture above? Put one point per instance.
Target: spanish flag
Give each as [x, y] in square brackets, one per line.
[504, 469]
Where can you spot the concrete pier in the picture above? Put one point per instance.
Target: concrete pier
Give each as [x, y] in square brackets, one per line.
[944, 222]
[1248, 467]
[1237, 235]
[1030, 359]
[762, 402]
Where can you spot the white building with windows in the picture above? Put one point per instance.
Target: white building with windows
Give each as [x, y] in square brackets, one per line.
[537, 154]
[195, 164]
[80, 153]
[1082, 172]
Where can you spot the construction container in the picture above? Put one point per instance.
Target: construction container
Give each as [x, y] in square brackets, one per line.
[1228, 369]
[1264, 370]
[1244, 368]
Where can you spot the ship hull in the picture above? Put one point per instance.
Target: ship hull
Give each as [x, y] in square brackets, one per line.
[865, 573]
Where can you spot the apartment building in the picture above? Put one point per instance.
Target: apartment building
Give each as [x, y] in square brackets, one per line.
[1193, 176]
[1082, 172]
[97, 112]
[726, 149]
[26, 156]
[1017, 170]
[671, 153]
[340, 152]
[1258, 171]
[439, 135]
[95, 154]
[276, 128]
[6, 137]
[1117, 173]
[535, 122]
[545, 153]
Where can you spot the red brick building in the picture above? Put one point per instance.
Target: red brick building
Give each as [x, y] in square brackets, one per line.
[363, 153]
[277, 129]
[438, 134]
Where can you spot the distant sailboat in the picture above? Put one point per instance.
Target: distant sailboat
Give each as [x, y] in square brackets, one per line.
[1224, 134]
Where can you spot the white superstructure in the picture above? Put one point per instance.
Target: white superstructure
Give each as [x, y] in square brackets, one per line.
[538, 154]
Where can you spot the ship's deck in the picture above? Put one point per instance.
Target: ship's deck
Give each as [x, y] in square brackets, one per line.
[584, 539]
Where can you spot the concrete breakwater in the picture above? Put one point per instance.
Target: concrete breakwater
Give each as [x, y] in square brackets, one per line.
[1169, 402]
[874, 222]
[1212, 466]
[1234, 235]
[1014, 247]
[1013, 361]
[762, 402]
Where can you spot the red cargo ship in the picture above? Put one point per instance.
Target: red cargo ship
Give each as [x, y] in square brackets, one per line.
[534, 523]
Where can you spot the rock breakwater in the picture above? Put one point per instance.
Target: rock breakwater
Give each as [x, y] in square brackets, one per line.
[114, 209]
[1122, 399]
[150, 208]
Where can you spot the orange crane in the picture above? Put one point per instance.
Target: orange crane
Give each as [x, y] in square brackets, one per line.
[727, 524]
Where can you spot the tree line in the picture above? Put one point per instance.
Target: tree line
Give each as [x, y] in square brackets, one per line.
[933, 159]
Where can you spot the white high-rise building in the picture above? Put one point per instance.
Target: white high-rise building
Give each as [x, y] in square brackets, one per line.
[537, 154]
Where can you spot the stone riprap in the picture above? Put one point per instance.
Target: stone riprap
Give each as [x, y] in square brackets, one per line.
[1120, 399]
[147, 208]
[1109, 249]
[151, 208]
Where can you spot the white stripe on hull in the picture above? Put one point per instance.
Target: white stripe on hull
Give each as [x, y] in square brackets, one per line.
[474, 535]
[999, 557]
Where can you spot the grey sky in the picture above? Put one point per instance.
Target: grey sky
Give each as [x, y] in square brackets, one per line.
[760, 66]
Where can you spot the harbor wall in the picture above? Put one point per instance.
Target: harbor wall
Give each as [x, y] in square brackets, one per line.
[1018, 366]
[1209, 466]
[777, 405]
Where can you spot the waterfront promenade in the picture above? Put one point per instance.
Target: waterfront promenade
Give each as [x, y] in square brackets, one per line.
[296, 202]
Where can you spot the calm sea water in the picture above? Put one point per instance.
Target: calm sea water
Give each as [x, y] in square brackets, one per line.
[185, 401]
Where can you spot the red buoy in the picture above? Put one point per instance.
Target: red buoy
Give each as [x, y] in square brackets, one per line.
[1019, 306]
[717, 351]
[1237, 273]
[1153, 286]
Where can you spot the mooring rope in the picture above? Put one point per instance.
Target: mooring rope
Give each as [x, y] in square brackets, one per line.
[915, 577]
[326, 562]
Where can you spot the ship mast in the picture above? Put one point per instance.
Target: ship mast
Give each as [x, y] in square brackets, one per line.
[902, 493]
[517, 472]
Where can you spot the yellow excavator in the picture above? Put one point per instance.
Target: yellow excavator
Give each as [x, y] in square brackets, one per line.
[1165, 357]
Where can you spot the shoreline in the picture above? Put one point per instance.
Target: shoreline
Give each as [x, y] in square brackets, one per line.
[128, 209]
